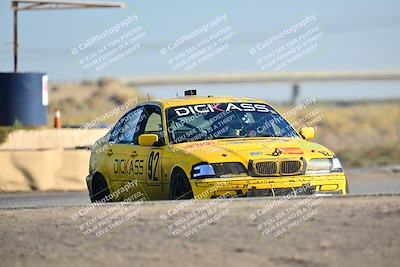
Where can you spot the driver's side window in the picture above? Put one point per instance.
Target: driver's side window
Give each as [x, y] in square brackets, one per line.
[153, 123]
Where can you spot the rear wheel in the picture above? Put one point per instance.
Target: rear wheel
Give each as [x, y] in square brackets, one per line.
[180, 186]
[99, 189]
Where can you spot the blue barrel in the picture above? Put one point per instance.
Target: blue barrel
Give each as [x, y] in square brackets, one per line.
[24, 99]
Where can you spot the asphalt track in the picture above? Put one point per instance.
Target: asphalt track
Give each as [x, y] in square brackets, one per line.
[370, 181]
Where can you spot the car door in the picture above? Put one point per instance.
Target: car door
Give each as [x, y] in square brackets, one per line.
[152, 155]
[124, 167]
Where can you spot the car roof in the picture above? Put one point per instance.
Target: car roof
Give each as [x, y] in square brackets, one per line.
[195, 100]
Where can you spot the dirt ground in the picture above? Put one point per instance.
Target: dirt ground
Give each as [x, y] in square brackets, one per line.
[350, 231]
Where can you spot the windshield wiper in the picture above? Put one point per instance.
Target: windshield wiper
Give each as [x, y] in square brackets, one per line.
[260, 135]
[225, 137]
[267, 135]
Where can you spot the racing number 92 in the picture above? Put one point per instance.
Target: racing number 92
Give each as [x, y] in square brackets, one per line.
[152, 165]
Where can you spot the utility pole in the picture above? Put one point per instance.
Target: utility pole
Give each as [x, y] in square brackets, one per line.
[15, 11]
[295, 93]
[50, 4]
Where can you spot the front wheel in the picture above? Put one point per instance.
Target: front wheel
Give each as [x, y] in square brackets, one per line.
[180, 186]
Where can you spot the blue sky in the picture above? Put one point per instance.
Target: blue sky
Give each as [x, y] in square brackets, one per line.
[358, 35]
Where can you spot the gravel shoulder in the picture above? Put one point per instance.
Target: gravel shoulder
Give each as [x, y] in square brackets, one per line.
[347, 231]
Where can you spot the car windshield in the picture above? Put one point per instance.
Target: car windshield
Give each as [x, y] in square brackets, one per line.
[225, 120]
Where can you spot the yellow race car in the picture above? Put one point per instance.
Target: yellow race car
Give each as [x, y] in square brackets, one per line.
[207, 147]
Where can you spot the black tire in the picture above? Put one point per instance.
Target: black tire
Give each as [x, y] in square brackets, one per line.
[99, 189]
[180, 186]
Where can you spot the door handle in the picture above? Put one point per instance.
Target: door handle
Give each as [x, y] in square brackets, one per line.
[133, 154]
[110, 152]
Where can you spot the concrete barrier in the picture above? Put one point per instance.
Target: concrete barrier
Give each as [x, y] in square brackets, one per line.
[45, 170]
[44, 159]
[37, 139]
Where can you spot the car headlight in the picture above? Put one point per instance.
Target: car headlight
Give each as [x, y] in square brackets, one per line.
[218, 170]
[336, 165]
[203, 171]
[322, 166]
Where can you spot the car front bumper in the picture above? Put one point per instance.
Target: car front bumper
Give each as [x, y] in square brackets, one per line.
[332, 184]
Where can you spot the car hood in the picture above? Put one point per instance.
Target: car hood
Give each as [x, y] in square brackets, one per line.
[243, 150]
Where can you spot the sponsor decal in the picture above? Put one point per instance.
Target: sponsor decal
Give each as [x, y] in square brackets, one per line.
[226, 107]
[292, 151]
[128, 166]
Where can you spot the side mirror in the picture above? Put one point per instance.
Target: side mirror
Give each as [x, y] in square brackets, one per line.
[307, 133]
[148, 139]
